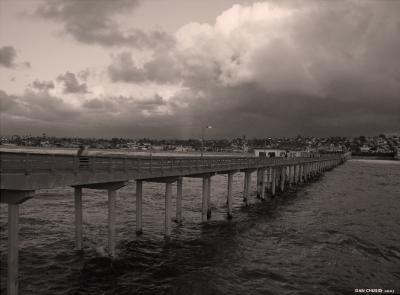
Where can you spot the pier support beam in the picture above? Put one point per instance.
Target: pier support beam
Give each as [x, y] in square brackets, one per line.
[12, 259]
[112, 191]
[204, 200]
[259, 182]
[273, 181]
[112, 194]
[179, 200]
[283, 174]
[209, 198]
[168, 203]
[229, 197]
[268, 184]
[246, 190]
[292, 175]
[13, 198]
[139, 207]
[262, 184]
[301, 170]
[78, 218]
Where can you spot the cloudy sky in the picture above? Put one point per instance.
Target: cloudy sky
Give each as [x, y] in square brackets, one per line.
[164, 68]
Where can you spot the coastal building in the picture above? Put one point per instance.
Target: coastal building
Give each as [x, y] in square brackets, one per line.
[270, 153]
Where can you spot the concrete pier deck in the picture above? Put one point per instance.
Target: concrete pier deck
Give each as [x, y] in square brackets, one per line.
[22, 173]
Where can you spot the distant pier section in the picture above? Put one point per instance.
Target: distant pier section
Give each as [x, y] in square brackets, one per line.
[23, 173]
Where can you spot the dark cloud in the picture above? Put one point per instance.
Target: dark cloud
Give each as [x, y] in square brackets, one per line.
[91, 22]
[8, 55]
[289, 67]
[71, 83]
[37, 112]
[36, 107]
[43, 85]
[278, 68]
[160, 69]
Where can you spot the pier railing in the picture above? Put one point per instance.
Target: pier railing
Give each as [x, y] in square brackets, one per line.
[31, 171]
[30, 163]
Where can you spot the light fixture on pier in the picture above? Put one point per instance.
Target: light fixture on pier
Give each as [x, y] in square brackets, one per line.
[202, 137]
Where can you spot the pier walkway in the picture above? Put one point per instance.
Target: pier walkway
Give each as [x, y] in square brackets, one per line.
[23, 173]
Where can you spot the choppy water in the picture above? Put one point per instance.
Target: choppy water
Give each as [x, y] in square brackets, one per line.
[328, 237]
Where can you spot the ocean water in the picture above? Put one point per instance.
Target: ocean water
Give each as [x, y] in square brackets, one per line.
[330, 236]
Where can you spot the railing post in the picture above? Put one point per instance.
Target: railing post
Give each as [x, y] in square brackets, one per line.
[27, 164]
[76, 164]
[52, 163]
[125, 164]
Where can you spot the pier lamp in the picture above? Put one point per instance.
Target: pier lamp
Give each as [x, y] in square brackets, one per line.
[203, 128]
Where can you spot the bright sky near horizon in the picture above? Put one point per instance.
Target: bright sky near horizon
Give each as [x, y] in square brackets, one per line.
[159, 68]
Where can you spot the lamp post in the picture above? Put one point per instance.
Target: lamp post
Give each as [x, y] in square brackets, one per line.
[202, 137]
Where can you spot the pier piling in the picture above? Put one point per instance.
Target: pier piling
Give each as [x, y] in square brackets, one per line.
[112, 194]
[204, 200]
[139, 204]
[273, 181]
[168, 191]
[229, 197]
[179, 200]
[247, 183]
[78, 217]
[209, 198]
[263, 184]
[12, 259]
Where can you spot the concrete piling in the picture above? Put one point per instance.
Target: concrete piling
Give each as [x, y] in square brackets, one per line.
[168, 203]
[273, 181]
[111, 221]
[259, 182]
[247, 183]
[209, 198]
[12, 258]
[283, 174]
[262, 184]
[229, 197]
[139, 211]
[204, 200]
[179, 186]
[78, 217]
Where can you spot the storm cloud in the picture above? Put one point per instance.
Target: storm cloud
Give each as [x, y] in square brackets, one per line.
[92, 22]
[160, 69]
[71, 83]
[274, 68]
[120, 116]
[310, 67]
[43, 85]
[8, 56]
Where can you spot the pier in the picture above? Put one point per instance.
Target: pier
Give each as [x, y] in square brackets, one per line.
[24, 173]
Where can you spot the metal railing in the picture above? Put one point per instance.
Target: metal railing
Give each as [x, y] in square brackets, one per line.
[28, 163]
